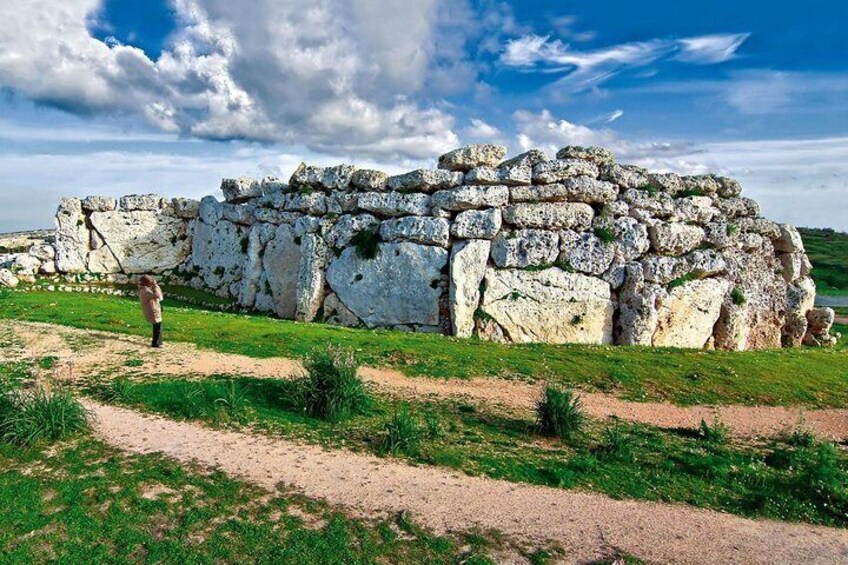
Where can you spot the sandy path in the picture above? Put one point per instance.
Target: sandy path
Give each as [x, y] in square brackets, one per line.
[587, 526]
[102, 350]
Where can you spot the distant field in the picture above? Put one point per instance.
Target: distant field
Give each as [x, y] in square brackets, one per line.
[828, 251]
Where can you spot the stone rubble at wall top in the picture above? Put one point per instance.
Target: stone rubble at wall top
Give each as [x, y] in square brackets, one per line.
[576, 248]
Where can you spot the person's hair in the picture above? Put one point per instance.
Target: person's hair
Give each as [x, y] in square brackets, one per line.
[146, 280]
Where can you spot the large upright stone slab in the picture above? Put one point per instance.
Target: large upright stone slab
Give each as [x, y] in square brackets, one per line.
[143, 241]
[467, 269]
[219, 252]
[686, 316]
[282, 269]
[71, 237]
[310, 278]
[550, 306]
[400, 286]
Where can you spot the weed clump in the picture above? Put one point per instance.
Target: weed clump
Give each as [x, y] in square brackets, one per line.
[560, 413]
[332, 390]
[606, 235]
[737, 296]
[29, 417]
[367, 244]
[402, 432]
[716, 434]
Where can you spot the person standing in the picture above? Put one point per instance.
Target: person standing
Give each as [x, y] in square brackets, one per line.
[151, 296]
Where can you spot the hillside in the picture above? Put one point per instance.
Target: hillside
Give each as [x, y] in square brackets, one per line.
[828, 251]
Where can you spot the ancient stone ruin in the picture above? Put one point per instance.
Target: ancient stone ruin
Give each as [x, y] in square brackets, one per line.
[576, 249]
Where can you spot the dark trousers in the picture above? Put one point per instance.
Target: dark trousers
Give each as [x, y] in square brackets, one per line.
[157, 335]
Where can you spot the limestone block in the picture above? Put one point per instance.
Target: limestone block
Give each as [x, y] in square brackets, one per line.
[467, 267]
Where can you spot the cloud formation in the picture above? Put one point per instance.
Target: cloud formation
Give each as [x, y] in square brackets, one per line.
[294, 72]
[584, 69]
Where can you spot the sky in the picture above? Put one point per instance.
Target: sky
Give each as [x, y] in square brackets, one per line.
[119, 96]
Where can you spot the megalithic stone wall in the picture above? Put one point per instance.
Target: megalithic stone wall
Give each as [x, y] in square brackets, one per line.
[530, 249]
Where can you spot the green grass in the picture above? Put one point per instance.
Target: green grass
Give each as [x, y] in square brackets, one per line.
[802, 376]
[828, 252]
[87, 503]
[34, 416]
[790, 479]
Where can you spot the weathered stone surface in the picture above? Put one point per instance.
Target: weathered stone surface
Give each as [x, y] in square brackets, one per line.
[625, 176]
[281, 264]
[238, 213]
[310, 278]
[395, 203]
[819, 322]
[143, 242]
[466, 158]
[477, 224]
[306, 224]
[792, 265]
[728, 188]
[342, 202]
[575, 189]
[309, 203]
[637, 308]
[720, 234]
[585, 252]
[8, 279]
[185, 208]
[258, 238]
[321, 178]
[527, 159]
[240, 190]
[467, 267]
[597, 155]
[738, 207]
[99, 204]
[503, 176]
[557, 171]
[426, 230]
[369, 180]
[789, 240]
[631, 237]
[559, 215]
[525, 248]
[550, 306]
[674, 238]
[43, 252]
[274, 185]
[687, 314]
[424, 180]
[704, 184]
[669, 183]
[399, 286]
[25, 264]
[141, 202]
[218, 252]
[644, 205]
[348, 226]
[471, 197]
[210, 211]
[733, 328]
[71, 236]
[800, 299]
[761, 226]
[695, 209]
[338, 314]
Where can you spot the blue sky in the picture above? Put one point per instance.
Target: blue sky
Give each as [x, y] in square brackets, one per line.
[115, 96]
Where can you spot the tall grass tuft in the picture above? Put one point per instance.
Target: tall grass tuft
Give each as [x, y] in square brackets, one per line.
[332, 390]
[560, 413]
[30, 417]
[402, 432]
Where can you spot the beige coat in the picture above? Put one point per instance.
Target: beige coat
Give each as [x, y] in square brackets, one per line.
[150, 298]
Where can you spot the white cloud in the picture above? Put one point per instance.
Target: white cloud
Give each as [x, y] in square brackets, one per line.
[587, 69]
[332, 75]
[543, 131]
[613, 116]
[479, 130]
[710, 49]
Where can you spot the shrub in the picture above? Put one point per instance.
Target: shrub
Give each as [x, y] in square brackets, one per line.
[605, 234]
[737, 296]
[717, 434]
[402, 432]
[30, 417]
[559, 413]
[366, 243]
[614, 443]
[332, 390]
[234, 403]
[434, 425]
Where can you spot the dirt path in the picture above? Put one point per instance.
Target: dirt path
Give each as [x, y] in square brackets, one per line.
[83, 353]
[587, 526]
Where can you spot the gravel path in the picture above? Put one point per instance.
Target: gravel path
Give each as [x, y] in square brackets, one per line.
[103, 350]
[587, 526]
